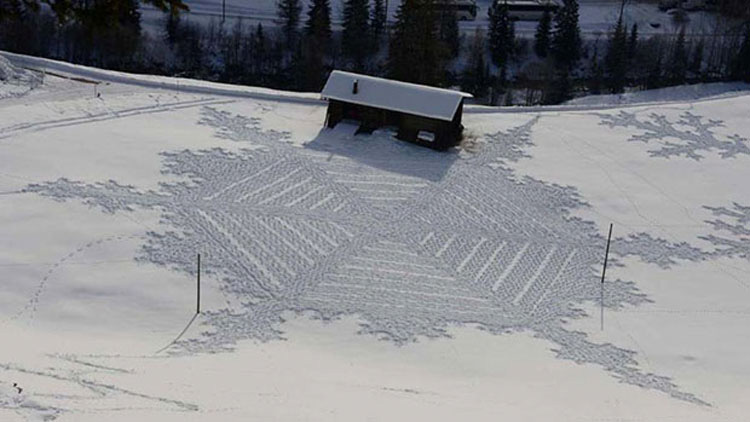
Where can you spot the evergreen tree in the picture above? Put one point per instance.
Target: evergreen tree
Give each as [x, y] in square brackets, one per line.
[231, 54]
[476, 75]
[596, 73]
[171, 28]
[212, 39]
[260, 49]
[247, 57]
[680, 15]
[679, 63]
[378, 21]
[356, 42]
[188, 50]
[108, 32]
[508, 99]
[288, 12]
[633, 41]
[561, 88]
[542, 35]
[12, 10]
[741, 63]
[318, 24]
[309, 69]
[738, 9]
[294, 73]
[124, 37]
[498, 85]
[616, 60]
[66, 10]
[696, 62]
[309, 61]
[502, 33]
[414, 54]
[448, 32]
[566, 37]
[400, 56]
[654, 62]
[166, 6]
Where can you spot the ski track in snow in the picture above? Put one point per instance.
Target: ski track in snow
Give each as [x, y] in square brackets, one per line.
[16, 129]
[77, 374]
[410, 240]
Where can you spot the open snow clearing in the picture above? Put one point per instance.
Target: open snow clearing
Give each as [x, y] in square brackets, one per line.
[358, 277]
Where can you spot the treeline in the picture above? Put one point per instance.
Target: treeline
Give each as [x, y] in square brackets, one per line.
[104, 33]
[558, 64]
[422, 45]
[662, 60]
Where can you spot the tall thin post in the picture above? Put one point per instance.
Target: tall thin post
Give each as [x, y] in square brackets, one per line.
[198, 291]
[223, 10]
[604, 271]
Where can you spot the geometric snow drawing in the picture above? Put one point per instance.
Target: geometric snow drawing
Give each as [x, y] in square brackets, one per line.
[657, 250]
[739, 244]
[696, 137]
[409, 240]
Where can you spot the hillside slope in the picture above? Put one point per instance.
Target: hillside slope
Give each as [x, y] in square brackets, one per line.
[359, 277]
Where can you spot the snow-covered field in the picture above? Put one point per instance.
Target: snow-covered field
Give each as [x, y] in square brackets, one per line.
[16, 81]
[362, 278]
[684, 93]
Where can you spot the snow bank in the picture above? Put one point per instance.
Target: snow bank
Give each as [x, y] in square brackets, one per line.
[15, 81]
[95, 75]
[597, 102]
[674, 93]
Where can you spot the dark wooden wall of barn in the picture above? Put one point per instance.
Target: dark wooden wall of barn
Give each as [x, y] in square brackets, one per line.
[447, 133]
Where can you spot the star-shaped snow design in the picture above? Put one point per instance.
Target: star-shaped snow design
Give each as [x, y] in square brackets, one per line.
[409, 240]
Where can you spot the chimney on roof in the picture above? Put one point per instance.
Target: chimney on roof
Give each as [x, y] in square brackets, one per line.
[355, 86]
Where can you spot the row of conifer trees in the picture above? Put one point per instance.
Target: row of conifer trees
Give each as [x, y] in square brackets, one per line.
[422, 45]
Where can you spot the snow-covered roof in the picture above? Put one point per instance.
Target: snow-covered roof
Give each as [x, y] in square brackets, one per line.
[421, 100]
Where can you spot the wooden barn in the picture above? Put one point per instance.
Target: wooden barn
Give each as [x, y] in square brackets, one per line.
[421, 114]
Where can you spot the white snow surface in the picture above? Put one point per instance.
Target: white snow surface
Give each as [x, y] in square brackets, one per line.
[675, 93]
[420, 100]
[357, 277]
[15, 81]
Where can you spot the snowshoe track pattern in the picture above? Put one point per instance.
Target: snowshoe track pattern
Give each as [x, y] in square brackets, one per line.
[410, 240]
